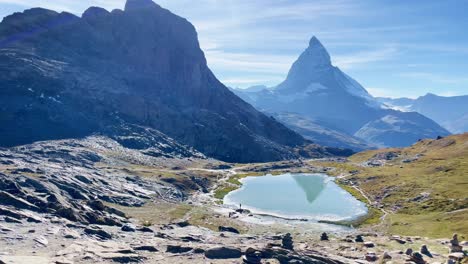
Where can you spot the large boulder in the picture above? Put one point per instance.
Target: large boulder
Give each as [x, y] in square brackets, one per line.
[223, 253]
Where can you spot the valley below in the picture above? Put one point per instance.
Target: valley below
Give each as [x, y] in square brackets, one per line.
[89, 200]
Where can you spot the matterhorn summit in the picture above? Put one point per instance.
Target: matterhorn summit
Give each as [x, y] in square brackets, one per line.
[321, 95]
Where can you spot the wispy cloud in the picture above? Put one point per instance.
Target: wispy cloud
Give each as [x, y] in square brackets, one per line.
[247, 82]
[253, 63]
[253, 42]
[434, 77]
[365, 57]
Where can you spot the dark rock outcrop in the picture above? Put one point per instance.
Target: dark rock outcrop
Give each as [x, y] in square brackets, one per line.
[98, 232]
[252, 256]
[228, 229]
[324, 237]
[287, 242]
[177, 249]
[138, 70]
[455, 244]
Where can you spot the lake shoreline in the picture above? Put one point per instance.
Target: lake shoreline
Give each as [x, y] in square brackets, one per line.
[321, 213]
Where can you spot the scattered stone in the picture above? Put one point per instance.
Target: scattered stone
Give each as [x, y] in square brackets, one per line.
[146, 248]
[9, 199]
[424, 250]
[68, 213]
[228, 229]
[119, 257]
[24, 260]
[12, 213]
[359, 239]
[161, 235]
[455, 245]
[199, 251]
[98, 232]
[417, 258]
[451, 261]
[177, 249]
[457, 257]
[398, 239]
[243, 211]
[42, 240]
[287, 242]
[409, 252]
[12, 220]
[190, 239]
[371, 256]
[252, 256]
[5, 229]
[145, 229]
[128, 228]
[112, 210]
[369, 244]
[223, 253]
[182, 224]
[62, 260]
[33, 219]
[324, 237]
[71, 234]
[272, 245]
[386, 255]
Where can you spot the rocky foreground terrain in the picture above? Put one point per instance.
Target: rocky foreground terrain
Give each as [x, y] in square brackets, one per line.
[92, 200]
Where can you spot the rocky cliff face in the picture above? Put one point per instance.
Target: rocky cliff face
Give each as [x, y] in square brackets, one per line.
[316, 90]
[65, 76]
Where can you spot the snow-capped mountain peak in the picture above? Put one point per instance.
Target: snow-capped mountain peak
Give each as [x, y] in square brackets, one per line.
[317, 54]
[314, 67]
[314, 59]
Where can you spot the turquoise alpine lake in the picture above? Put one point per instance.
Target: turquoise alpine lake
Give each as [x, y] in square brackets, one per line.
[303, 196]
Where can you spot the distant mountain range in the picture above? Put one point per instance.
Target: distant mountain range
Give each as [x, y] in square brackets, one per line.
[64, 76]
[318, 92]
[450, 112]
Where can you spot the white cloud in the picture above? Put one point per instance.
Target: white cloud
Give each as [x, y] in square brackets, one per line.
[257, 41]
[247, 82]
[364, 57]
[249, 63]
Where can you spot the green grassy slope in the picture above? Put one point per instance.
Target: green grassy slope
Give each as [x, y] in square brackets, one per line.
[424, 188]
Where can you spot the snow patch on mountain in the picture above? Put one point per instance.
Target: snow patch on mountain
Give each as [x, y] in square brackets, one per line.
[309, 91]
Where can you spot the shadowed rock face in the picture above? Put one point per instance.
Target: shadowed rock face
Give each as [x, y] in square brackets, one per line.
[64, 76]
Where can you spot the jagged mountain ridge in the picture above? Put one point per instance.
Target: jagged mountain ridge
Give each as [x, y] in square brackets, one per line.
[317, 90]
[65, 76]
[315, 130]
[451, 111]
[319, 131]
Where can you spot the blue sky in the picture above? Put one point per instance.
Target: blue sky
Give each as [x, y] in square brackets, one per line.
[393, 48]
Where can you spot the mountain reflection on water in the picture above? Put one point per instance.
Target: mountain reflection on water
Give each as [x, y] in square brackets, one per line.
[311, 196]
[312, 186]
